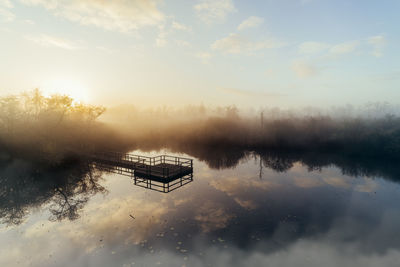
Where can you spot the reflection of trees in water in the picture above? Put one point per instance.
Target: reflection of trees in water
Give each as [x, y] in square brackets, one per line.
[282, 161]
[222, 159]
[216, 157]
[279, 164]
[66, 189]
[352, 166]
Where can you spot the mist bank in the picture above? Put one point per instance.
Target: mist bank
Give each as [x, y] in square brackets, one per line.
[50, 129]
[197, 128]
[54, 128]
[45, 142]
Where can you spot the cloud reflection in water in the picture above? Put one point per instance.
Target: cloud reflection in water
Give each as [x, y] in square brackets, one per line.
[306, 216]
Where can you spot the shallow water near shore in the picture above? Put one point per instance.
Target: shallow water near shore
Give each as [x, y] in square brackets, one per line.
[242, 211]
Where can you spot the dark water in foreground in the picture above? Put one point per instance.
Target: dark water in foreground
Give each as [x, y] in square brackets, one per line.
[282, 211]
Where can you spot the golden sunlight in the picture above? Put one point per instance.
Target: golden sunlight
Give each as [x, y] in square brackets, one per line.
[72, 88]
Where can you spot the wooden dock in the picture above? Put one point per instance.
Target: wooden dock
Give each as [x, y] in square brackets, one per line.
[164, 186]
[162, 168]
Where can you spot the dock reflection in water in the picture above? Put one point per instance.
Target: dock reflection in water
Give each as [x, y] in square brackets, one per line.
[161, 173]
[147, 182]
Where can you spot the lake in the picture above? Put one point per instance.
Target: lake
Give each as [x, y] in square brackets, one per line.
[240, 209]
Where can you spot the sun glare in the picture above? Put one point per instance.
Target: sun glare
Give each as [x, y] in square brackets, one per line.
[72, 88]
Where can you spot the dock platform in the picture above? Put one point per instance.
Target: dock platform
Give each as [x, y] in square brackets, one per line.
[163, 168]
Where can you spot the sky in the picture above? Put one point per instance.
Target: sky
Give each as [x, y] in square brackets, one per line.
[248, 53]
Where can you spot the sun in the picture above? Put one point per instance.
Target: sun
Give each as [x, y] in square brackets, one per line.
[72, 88]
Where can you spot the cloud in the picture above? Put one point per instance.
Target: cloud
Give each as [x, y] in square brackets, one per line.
[181, 27]
[51, 41]
[236, 44]
[340, 182]
[212, 216]
[204, 57]
[164, 35]
[307, 182]
[161, 39]
[238, 189]
[248, 93]
[29, 22]
[80, 242]
[312, 47]
[303, 69]
[378, 42]
[270, 73]
[367, 187]
[251, 22]
[109, 215]
[6, 4]
[105, 49]
[5, 13]
[211, 11]
[182, 43]
[332, 51]
[344, 48]
[247, 204]
[119, 15]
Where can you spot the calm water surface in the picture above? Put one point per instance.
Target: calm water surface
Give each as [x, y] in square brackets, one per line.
[239, 212]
